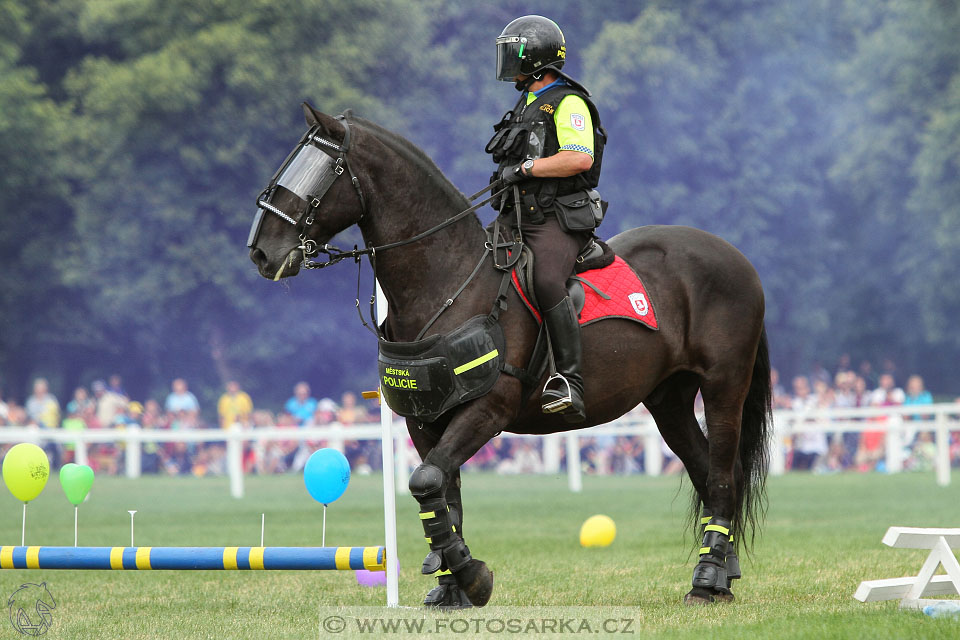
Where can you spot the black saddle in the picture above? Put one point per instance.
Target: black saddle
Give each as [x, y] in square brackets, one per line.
[595, 255]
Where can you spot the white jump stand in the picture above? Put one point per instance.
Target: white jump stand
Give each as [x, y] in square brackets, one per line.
[912, 589]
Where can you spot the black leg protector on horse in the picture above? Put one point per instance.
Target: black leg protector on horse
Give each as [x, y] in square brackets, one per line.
[711, 572]
[732, 561]
[472, 580]
[447, 549]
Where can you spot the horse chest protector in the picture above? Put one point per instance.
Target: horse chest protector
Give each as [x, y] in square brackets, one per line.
[427, 378]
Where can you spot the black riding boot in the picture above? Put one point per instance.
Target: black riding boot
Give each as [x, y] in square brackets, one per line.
[563, 392]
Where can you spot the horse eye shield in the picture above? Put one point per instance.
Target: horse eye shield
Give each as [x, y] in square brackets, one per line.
[308, 172]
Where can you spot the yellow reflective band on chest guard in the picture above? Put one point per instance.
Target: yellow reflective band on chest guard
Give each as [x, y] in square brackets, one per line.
[487, 357]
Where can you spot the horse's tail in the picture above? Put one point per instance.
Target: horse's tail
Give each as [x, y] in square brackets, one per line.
[755, 431]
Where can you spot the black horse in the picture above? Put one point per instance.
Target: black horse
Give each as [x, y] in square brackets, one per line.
[709, 303]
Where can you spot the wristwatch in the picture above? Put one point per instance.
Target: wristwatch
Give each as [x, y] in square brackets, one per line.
[527, 167]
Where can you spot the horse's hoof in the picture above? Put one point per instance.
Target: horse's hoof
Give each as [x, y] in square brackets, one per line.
[693, 600]
[701, 596]
[447, 595]
[476, 580]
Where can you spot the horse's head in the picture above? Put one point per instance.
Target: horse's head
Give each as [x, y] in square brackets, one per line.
[307, 202]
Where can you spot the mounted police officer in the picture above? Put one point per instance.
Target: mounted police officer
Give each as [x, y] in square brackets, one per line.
[550, 145]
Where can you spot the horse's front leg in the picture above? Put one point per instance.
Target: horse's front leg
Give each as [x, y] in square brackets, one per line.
[436, 486]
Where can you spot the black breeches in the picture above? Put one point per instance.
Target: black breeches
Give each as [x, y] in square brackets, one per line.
[554, 257]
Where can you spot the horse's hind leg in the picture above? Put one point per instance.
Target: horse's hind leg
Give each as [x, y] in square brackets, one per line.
[723, 399]
[672, 408]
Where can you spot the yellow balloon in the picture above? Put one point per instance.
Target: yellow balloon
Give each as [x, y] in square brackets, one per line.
[25, 470]
[598, 531]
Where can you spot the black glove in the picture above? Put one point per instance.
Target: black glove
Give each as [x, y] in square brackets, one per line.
[512, 175]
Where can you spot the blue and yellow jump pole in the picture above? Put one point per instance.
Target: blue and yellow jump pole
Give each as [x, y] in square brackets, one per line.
[194, 558]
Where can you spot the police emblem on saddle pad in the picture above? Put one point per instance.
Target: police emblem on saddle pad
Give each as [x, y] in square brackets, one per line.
[427, 378]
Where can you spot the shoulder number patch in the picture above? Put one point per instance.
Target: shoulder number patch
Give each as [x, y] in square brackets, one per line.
[577, 121]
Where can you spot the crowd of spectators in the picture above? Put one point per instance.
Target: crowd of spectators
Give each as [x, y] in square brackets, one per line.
[827, 451]
[107, 404]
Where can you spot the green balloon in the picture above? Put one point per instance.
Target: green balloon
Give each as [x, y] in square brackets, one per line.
[76, 480]
[25, 470]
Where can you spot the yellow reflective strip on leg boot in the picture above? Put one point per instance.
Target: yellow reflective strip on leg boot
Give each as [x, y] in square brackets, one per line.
[428, 539]
[704, 550]
[705, 519]
[717, 528]
[426, 515]
[445, 572]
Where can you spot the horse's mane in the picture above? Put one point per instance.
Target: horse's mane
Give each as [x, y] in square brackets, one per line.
[416, 156]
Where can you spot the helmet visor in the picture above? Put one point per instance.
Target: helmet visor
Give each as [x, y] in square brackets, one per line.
[510, 51]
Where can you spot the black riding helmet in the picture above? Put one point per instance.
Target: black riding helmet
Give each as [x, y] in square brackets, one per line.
[528, 46]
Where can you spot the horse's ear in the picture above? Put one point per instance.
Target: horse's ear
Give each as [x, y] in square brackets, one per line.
[315, 117]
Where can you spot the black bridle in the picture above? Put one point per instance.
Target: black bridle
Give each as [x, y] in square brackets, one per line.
[306, 216]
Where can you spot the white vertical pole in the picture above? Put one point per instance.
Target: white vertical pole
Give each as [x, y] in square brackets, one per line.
[551, 453]
[894, 444]
[235, 460]
[389, 484]
[81, 452]
[403, 468]
[778, 462]
[133, 451]
[942, 463]
[574, 477]
[652, 453]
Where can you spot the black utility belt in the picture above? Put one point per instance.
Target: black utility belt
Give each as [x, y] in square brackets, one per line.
[578, 211]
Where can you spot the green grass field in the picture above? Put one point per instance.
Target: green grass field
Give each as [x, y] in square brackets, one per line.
[821, 538]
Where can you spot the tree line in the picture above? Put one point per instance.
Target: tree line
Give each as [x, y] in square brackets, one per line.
[821, 137]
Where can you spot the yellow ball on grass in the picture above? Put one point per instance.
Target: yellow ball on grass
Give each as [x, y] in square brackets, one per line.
[598, 531]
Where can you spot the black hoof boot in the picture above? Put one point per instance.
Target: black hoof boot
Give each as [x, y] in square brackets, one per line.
[710, 580]
[447, 595]
[476, 581]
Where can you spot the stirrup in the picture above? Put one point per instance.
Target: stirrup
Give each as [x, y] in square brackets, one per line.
[560, 404]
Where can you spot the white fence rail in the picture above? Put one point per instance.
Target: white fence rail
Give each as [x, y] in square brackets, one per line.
[899, 424]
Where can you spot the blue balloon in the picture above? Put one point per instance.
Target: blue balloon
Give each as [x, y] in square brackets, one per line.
[326, 474]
